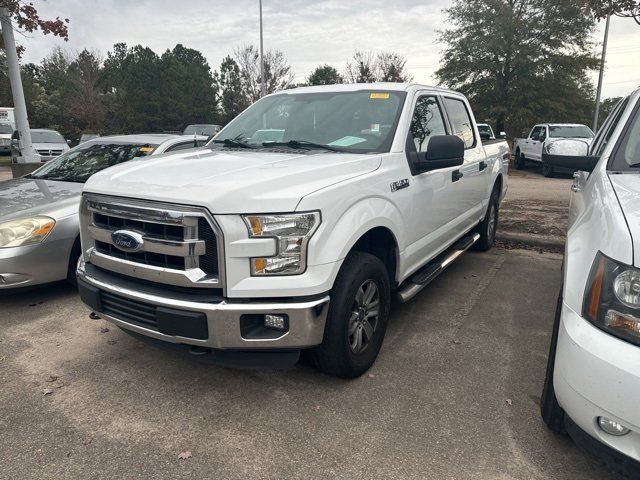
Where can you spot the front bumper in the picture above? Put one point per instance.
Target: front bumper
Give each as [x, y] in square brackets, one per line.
[34, 264]
[598, 375]
[211, 323]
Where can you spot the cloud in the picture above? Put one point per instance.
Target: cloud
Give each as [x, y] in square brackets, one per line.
[309, 32]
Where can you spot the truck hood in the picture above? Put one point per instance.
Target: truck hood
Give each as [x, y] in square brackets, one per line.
[627, 187]
[24, 197]
[231, 181]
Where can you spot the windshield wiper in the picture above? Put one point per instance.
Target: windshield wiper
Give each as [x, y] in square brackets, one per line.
[233, 142]
[302, 144]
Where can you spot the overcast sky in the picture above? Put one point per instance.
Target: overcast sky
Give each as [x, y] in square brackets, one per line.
[308, 32]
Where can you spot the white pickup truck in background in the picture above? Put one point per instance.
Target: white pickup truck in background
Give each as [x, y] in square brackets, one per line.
[530, 148]
[295, 228]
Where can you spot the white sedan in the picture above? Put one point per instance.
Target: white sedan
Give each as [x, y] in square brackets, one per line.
[592, 387]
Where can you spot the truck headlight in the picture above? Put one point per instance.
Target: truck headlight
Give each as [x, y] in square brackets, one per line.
[292, 233]
[612, 299]
[26, 231]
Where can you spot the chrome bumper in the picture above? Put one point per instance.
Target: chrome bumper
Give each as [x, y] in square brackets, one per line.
[306, 318]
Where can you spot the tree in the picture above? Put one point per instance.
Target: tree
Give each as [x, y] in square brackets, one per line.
[361, 68]
[520, 61]
[365, 67]
[391, 67]
[230, 90]
[620, 8]
[607, 105]
[324, 75]
[277, 72]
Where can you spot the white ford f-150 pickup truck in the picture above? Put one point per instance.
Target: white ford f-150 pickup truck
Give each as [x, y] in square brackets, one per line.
[295, 228]
[530, 148]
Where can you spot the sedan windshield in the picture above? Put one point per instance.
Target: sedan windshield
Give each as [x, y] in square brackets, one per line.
[78, 164]
[570, 131]
[358, 121]
[47, 137]
[4, 128]
[206, 130]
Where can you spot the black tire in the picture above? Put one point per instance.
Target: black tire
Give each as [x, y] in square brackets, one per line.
[519, 161]
[550, 410]
[547, 170]
[489, 225]
[337, 355]
[73, 263]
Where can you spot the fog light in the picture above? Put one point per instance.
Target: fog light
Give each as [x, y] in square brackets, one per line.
[612, 427]
[279, 322]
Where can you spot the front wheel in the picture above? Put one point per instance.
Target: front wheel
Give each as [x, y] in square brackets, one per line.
[357, 318]
[547, 170]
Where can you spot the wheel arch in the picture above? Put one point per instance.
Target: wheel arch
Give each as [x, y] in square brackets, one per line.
[381, 243]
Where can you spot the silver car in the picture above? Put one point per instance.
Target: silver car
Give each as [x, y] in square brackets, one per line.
[48, 143]
[39, 236]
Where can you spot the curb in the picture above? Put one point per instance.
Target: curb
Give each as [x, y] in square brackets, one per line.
[532, 240]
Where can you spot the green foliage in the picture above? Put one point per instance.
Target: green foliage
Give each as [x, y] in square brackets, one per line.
[324, 75]
[365, 67]
[229, 87]
[620, 8]
[606, 107]
[520, 61]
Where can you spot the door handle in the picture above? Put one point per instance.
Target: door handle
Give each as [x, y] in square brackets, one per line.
[482, 165]
[456, 175]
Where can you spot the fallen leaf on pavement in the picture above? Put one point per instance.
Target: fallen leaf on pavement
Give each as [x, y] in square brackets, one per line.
[52, 378]
[104, 330]
[508, 401]
[112, 342]
[457, 342]
[371, 375]
[316, 408]
[184, 455]
[47, 391]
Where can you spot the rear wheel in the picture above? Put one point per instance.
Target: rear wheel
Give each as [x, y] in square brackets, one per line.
[519, 161]
[489, 225]
[552, 413]
[357, 318]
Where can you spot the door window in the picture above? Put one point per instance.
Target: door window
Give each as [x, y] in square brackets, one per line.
[627, 154]
[543, 134]
[427, 121]
[535, 133]
[460, 121]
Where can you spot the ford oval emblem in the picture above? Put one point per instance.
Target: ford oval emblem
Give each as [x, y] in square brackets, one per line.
[127, 241]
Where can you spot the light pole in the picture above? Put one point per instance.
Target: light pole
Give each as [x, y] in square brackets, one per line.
[27, 152]
[263, 86]
[599, 91]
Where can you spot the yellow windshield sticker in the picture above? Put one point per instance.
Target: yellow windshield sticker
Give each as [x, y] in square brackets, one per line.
[379, 96]
[146, 149]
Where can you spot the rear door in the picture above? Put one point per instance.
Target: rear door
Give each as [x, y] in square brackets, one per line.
[471, 188]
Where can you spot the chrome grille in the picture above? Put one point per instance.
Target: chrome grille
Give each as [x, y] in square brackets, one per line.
[178, 245]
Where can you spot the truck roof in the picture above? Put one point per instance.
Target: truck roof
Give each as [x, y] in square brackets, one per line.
[349, 87]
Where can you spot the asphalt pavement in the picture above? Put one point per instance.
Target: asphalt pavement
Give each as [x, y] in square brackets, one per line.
[454, 394]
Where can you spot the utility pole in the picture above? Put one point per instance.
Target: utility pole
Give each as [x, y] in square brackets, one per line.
[604, 53]
[27, 152]
[263, 86]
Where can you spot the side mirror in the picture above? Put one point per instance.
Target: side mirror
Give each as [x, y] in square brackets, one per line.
[569, 153]
[485, 136]
[68, 142]
[502, 135]
[443, 151]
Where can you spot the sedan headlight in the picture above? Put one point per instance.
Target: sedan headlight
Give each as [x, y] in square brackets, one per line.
[291, 232]
[612, 299]
[26, 231]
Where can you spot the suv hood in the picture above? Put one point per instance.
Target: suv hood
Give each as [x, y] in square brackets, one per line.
[23, 197]
[231, 181]
[627, 187]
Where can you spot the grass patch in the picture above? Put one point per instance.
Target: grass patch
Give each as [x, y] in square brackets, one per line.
[5, 160]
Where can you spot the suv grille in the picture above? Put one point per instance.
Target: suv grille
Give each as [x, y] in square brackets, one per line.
[164, 243]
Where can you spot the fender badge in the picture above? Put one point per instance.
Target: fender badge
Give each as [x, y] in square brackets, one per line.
[400, 184]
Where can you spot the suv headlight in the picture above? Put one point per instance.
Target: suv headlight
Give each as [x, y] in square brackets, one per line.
[26, 231]
[292, 233]
[612, 299]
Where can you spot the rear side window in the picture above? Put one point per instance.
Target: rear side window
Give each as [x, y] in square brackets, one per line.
[460, 121]
[427, 121]
[535, 133]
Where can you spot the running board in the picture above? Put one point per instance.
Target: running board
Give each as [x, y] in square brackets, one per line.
[429, 272]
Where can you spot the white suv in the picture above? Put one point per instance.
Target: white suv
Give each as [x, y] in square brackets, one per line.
[592, 385]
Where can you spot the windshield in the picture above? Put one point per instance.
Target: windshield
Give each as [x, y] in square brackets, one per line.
[486, 129]
[359, 121]
[6, 129]
[46, 137]
[78, 164]
[570, 131]
[206, 130]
